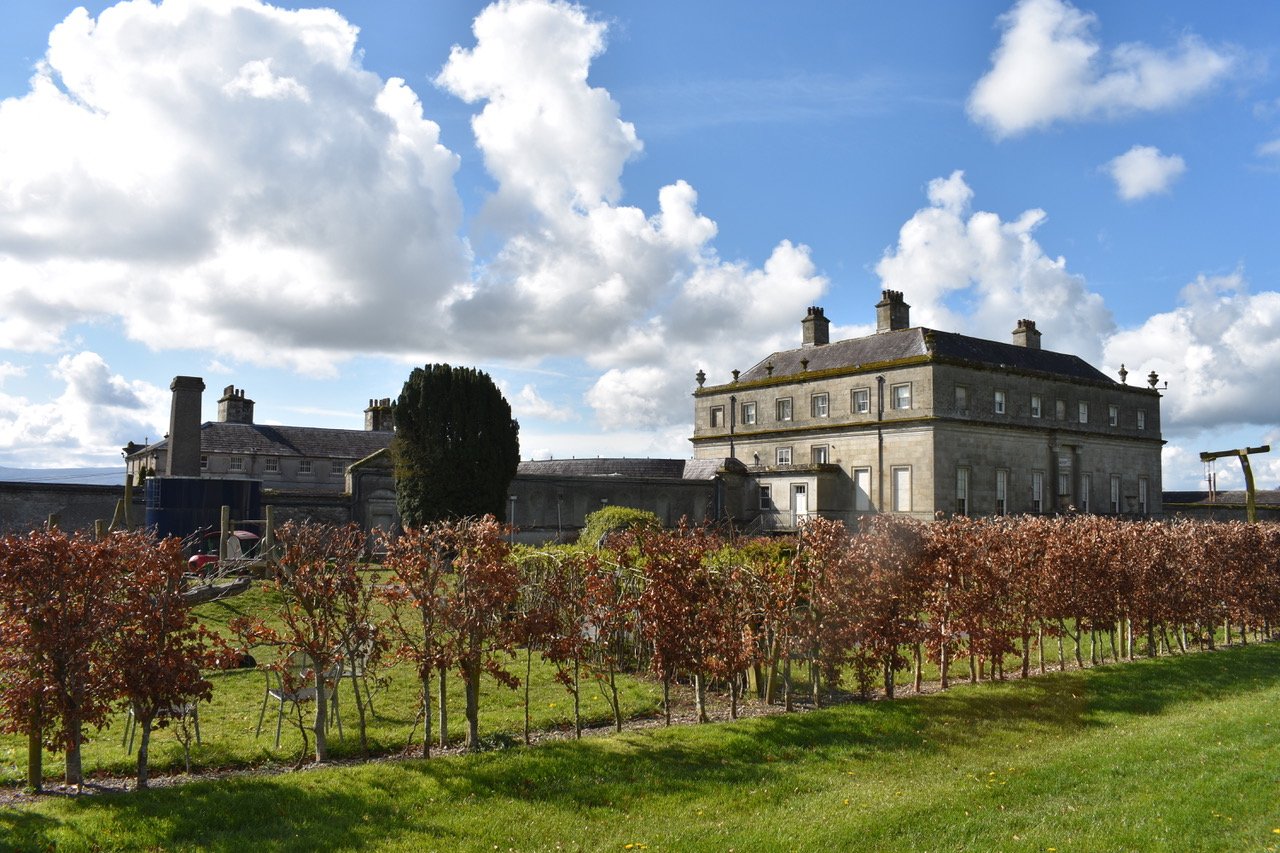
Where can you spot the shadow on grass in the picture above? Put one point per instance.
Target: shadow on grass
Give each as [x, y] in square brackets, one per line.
[421, 799]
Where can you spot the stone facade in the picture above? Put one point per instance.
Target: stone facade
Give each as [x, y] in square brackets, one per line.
[920, 421]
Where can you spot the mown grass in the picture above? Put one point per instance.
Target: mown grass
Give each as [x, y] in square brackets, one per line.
[1178, 753]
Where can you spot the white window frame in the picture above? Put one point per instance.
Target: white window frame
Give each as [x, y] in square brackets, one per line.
[1082, 410]
[782, 455]
[236, 464]
[820, 405]
[998, 402]
[818, 454]
[337, 469]
[1036, 405]
[717, 417]
[749, 414]
[766, 496]
[1086, 487]
[1060, 409]
[204, 461]
[900, 394]
[900, 477]
[1115, 494]
[1037, 491]
[861, 401]
[1142, 495]
[962, 490]
[1113, 415]
[782, 408]
[271, 465]
[1002, 491]
[304, 466]
[1142, 419]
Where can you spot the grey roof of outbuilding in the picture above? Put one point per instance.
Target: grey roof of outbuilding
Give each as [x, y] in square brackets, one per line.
[640, 469]
[1263, 497]
[268, 440]
[887, 347]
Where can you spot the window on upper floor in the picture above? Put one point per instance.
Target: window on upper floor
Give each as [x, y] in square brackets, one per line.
[783, 455]
[1082, 409]
[784, 408]
[337, 469]
[818, 454]
[962, 399]
[1142, 419]
[204, 462]
[1113, 415]
[819, 405]
[717, 416]
[748, 414]
[236, 464]
[1035, 405]
[304, 466]
[861, 401]
[998, 403]
[1060, 409]
[901, 395]
[271, 465]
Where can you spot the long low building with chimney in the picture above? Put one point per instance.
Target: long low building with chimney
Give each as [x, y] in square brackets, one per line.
[283, 458]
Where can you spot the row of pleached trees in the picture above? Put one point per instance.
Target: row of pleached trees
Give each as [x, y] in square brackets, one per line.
[86, 627]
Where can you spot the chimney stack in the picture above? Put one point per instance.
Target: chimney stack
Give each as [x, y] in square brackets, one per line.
[1026, 335]
[892, 313]
[815, 328]
[380, 416]
[184, 427]
[233, 408]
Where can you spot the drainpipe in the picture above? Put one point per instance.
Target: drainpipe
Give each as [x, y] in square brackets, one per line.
[733, 423]
[880, 442]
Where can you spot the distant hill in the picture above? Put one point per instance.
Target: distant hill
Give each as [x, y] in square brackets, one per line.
[92, 476]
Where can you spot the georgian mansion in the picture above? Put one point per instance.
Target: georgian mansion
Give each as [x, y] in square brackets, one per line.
[925, 422]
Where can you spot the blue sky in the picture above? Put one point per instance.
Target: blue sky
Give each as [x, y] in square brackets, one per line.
[593, 202]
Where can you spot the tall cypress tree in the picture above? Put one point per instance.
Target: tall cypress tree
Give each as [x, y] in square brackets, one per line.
[456, 445]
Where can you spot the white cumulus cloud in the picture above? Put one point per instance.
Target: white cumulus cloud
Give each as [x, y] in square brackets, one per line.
[973, 271]
[1049, 67]
[1143, 170]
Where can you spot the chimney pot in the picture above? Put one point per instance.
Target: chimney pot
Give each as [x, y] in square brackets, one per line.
[892, 313]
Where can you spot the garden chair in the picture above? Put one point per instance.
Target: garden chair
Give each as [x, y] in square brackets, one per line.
[181, 711]
[300, 667]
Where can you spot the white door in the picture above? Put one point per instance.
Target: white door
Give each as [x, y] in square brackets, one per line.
[862, 489]
[799, 502]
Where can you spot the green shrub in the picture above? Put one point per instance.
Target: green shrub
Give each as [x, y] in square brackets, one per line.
[614, 519]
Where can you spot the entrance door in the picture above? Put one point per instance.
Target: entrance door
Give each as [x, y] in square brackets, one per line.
[799, 503]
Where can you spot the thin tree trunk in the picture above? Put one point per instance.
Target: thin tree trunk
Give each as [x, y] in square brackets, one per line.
[888, 677]
[528, 672]
[1026, 654]
[35, 749]
[786, 682]
[426, 713]
[577, 698]
[666, 698]
[144, 750]
[944, 663]
[700, 696]
[917, 679]
[355, 688]
[75, 771]
[1062, 655]
[735, 686]
[1040, 645]
[322, 709]
[613, 692]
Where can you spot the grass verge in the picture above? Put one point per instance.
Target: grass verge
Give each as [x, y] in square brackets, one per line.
[1169, 754]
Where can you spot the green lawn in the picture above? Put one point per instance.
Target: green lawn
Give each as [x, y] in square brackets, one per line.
[1173, 754]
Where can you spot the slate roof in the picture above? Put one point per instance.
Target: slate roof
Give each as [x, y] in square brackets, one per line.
[268, 440]
[1263, 497]
[915, 343]
[638, 469]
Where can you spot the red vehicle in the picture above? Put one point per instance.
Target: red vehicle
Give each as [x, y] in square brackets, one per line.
[242, 545]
